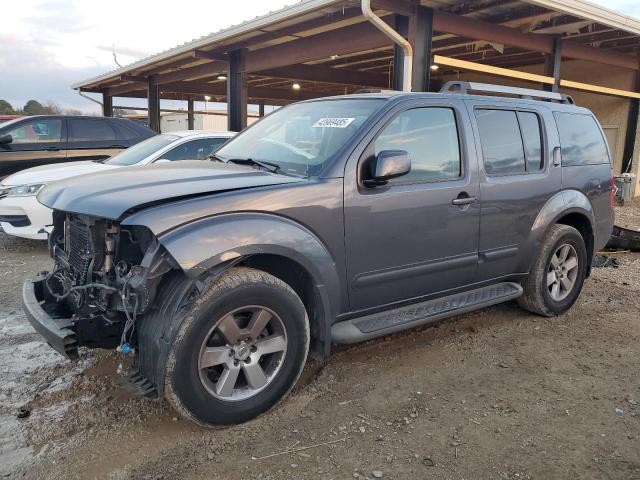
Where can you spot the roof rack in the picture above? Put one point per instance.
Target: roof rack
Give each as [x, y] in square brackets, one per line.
[456, 86]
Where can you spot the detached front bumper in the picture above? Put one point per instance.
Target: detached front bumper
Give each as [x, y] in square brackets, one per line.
[57, 332]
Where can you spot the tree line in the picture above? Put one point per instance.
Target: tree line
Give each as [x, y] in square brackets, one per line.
[33, 107]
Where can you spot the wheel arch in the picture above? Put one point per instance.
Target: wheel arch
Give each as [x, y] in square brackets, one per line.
[277, 245]
[567, 207]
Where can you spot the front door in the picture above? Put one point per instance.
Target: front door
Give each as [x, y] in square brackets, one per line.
[417, 235]
[36, 141]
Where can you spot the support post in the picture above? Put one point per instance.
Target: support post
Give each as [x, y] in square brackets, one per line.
[420, 37]
[632, 130]
[261, 110]
[552, 66]
[402, 27]
[190, 118]
[237, 91]
[107, 105]
[153, 101]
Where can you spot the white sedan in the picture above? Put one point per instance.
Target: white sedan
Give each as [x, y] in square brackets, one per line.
[23, 216]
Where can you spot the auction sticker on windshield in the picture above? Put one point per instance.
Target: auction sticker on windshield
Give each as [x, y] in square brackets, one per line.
[333, 122]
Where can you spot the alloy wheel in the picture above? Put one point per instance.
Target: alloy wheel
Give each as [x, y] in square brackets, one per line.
[563, 272]
[242, 354]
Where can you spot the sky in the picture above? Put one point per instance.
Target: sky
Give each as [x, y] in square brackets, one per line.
[47, 45]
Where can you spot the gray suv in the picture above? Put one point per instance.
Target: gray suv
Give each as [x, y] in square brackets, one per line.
[334, 220]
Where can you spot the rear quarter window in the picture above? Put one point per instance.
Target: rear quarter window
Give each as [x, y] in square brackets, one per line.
[581, 141]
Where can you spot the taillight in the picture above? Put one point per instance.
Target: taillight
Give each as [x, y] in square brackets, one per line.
[612, 196]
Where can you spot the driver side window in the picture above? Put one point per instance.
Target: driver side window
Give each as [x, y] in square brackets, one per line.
[430, 136]
[37, 131]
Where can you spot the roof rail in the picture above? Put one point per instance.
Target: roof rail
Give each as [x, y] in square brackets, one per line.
[456, 86]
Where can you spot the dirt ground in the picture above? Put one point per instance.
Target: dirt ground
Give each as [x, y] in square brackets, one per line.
[497, 394]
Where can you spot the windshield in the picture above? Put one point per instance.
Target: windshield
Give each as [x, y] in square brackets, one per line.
[303, 137]
[142, 150]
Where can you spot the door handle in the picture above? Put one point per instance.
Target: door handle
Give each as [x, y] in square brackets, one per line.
[117, 146]
[52, 149]
[463, 199]
[557, 156]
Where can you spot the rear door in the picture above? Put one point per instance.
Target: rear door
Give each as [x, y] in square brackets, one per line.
[35, 141]
[410, 238]
[517, 177]
[93, 139]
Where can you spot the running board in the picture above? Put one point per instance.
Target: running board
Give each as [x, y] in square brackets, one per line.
[383, 323]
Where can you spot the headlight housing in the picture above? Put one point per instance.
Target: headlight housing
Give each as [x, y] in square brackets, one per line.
[25, 190]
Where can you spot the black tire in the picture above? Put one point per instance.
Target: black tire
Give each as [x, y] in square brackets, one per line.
[537, 297]
[233, 291]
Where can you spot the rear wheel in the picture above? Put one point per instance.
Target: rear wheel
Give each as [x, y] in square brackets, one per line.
[240, 349]
[557, 275]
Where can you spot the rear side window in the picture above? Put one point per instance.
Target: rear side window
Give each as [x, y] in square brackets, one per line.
[430, 136]
[581, 140]
[86, 130]
[530, 128]
[511, 141]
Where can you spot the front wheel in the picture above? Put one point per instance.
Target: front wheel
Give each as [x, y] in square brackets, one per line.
[239, 350]
[557, 275]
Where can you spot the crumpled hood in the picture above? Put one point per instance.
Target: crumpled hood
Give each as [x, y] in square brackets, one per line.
[54, 172]
[111, 193]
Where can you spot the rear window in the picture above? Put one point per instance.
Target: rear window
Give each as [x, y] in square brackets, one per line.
[581, 140]
[511, 141]
[125, 130]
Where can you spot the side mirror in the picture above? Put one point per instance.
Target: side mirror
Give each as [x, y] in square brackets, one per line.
[162, 160]
[387, 165]
[5, 139]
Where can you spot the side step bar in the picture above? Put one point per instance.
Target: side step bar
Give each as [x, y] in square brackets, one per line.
[383, 323]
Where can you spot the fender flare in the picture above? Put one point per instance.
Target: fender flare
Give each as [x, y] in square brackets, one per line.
[214, 244]
[562, 203]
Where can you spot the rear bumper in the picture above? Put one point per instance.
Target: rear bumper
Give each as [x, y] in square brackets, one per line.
[57, 332]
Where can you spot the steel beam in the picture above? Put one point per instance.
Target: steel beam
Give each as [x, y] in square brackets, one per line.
[219, 91]
[632, 129]
[402, 27]
[192, 73]
[480, 30]
[352, 39]
[190, 119]
[107, 105]
[552, 66]
[421, 38]
[153, 100]
[126, 88]
[237, 93]
[326, 74]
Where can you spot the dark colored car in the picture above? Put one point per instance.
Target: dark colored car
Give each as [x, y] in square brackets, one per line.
[332, 220]
[38, 140]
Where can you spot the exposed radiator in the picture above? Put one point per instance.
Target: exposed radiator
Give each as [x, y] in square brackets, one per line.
[78, 247]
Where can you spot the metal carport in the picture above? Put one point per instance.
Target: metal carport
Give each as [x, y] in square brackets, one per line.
[327, 47]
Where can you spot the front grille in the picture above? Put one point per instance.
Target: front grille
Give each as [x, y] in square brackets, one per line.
[78, 246]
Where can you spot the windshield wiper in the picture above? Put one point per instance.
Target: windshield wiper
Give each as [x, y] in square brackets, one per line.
[272, 167]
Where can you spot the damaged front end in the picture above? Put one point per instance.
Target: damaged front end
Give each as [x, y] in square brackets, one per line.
[104, 276]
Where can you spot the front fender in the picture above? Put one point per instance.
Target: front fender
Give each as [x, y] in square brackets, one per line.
[201, 246]
[561, 204]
